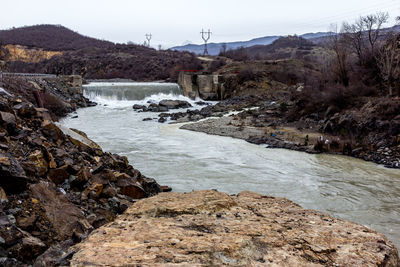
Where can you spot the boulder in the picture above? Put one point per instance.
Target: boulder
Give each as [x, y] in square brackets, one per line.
[40, 162]
[174, 104]
[9, 121]
[80, 140]
[28, 249]
[142, 107]
[208, 228]
[12, 176]
[93, 191]
[54, 255]
[9, 233]
[25, 110]
[59, 175]
[131, 188]
[65, 218]
[156, 108]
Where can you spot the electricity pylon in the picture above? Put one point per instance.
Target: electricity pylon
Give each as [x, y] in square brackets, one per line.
[148, 37]
[205, 39]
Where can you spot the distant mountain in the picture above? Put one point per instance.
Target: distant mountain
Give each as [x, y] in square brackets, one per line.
[50, 37]
[215, 48]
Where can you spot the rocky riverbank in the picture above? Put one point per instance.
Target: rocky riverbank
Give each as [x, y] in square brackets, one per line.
[370, 133]
[208, 228]
[56, 185]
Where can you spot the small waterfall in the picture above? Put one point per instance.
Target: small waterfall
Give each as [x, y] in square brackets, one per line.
[129, 91]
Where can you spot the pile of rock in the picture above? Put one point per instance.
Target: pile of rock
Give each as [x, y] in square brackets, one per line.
[56, 185]
[162, 106]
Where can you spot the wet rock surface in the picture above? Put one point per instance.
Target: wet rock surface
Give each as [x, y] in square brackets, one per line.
[56, 185]
[208, 228]
[162, 106]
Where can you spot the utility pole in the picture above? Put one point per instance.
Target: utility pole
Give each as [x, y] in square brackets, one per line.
[205, 39]
[148, 37]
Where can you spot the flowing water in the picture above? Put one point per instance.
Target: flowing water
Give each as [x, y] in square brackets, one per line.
[344, 187]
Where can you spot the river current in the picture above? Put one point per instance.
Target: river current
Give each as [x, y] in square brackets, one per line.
[344, 187]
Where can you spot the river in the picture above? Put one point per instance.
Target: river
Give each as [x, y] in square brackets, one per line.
[344, 187]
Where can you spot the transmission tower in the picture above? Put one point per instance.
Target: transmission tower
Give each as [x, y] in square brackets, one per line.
[205, 36]
[148, 37]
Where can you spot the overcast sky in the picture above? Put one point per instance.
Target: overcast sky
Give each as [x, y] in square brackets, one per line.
[176, 22]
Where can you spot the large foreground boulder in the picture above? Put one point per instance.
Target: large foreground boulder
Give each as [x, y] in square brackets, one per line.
[208, 228]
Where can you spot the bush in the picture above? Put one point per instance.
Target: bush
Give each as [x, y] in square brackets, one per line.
[247, 74]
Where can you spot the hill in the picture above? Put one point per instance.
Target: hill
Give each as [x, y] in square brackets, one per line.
[50, 37]
[215, 48]
[55, 49]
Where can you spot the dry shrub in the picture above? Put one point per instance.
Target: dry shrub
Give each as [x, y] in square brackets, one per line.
[216, 64]
[248, 74]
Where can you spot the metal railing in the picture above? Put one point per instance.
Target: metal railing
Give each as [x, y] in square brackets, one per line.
[13, 74]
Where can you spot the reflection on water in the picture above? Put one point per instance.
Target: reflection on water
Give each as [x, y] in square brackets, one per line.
[344, 187]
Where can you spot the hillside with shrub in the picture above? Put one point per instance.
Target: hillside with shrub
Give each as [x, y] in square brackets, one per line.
[92, 58]
[346, 90]
[50, 37]
[282, 48]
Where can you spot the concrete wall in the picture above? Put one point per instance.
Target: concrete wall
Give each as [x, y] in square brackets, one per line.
[206, 86]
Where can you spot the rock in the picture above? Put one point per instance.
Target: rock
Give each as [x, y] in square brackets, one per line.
[9, 121]
[202, 103]
[3, 196]
[28, 249]
[12, 176]
[65, 218]
[54, 255]
[80, 140]
[162, 120]
[27, 223]
[156, 108]
[11, 262]
[150, 186]
[208, 228]
[25, 110]
[165, 188]
[52, 131]
[9, 232]
[131, 188]
[59, 175]
[40, 162]
[174, 104]
[93, 191]
[109, 192]
[142, 107]
[81, 178]
[147, 119]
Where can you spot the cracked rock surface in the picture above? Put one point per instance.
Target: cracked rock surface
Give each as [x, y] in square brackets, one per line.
[209, 228]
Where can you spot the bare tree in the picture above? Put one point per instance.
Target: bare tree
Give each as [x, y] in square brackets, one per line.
[388, 61]
[339, 46]
[223, 50]
[354, 35]
[373, 24]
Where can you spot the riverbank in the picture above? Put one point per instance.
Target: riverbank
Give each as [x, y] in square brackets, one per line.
[369, 133]
[56, 184]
